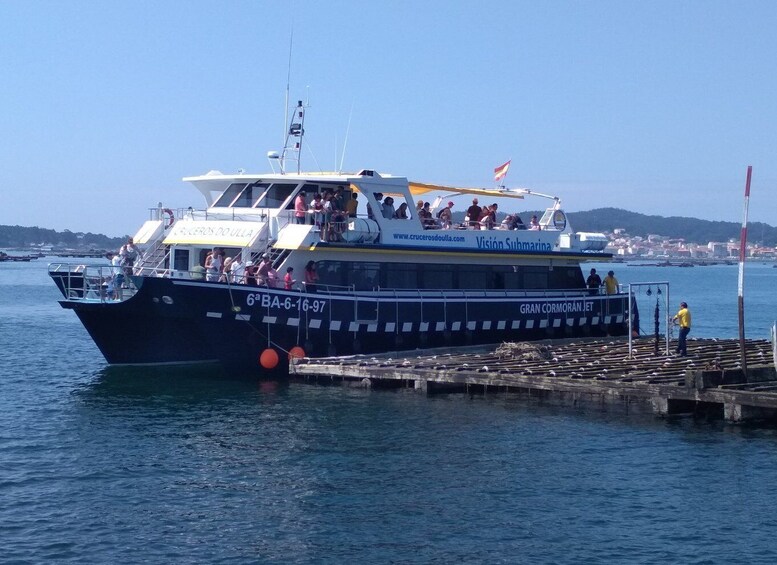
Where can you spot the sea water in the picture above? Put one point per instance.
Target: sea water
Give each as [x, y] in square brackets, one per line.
[102, 465]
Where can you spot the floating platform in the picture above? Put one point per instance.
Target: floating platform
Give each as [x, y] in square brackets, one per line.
[708, 382]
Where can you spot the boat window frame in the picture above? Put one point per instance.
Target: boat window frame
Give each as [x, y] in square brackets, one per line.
[251, 186]
[496, 277]
[284, 203]
[223, 195]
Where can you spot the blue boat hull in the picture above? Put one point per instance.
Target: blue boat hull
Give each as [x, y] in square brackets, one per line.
[181, 321]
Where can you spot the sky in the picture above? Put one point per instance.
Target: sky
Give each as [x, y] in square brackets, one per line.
[655, 107]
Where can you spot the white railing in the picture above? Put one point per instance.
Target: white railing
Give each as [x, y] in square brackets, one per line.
[93, 283]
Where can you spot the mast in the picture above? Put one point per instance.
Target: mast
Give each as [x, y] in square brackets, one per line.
[292, 146]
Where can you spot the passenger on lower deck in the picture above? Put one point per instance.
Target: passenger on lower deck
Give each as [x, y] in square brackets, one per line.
[311, 277]
[237, 270]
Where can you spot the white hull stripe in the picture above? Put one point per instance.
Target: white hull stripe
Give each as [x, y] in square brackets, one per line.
[424, 327]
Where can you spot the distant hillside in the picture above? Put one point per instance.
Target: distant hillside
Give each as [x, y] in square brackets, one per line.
[23, 237]
[692, 230]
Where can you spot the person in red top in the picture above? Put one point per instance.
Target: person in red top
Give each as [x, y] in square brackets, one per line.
[300, 207]
[288, 279]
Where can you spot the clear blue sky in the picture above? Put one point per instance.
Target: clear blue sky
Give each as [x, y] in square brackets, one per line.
[657, 107]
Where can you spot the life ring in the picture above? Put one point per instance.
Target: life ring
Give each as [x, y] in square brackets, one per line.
[171, 217]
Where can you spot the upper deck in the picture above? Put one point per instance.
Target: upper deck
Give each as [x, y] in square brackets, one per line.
[365, 209]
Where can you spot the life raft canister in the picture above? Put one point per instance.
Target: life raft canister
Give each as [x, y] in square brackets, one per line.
[170, 217]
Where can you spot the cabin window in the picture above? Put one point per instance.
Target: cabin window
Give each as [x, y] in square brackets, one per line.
[276, 195]
[436, 276]
[566, 277]
[535, 277]
[250, 195]
[229, 195]
[181, 260]
[401, 275]
[331, 272]
[363, 276]
[474, 277]
[511, 278]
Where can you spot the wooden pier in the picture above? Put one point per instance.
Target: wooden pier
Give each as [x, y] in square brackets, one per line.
[709, 381]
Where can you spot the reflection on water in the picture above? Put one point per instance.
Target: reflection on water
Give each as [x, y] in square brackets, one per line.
[194, 383]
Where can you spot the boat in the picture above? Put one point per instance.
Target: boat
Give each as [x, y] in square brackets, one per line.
[383, 283]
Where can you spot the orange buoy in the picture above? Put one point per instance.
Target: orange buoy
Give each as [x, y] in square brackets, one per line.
[296, 352]
[269, 358]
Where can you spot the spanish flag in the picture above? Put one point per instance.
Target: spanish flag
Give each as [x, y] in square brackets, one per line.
[501, 171]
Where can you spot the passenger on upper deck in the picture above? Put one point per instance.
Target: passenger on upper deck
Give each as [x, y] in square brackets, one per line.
[426, 217]
[317, 207]
[446, 216]
[473, 214]
[300, 207]
[352, 205]
[534, 223]
[388, 208]
[378, 198]
[336, 219]
[339, 199]
[509, 222]
[401, 213]
[488, 217]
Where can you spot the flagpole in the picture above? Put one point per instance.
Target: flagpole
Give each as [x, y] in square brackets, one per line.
[741, 281]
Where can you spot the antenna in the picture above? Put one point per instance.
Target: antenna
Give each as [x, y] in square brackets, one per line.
[345, 142]
[288, 80]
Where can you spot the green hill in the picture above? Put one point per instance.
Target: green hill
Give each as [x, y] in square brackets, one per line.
[692, 230]
[25, 237]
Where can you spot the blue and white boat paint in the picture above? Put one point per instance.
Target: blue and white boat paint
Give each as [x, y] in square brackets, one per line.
[385, 284]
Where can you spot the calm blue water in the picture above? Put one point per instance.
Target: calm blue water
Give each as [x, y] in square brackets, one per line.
[110, 466]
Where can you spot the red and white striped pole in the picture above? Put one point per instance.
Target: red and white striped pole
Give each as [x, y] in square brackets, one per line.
[741, 282]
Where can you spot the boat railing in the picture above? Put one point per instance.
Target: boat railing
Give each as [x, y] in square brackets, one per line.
[92, 283]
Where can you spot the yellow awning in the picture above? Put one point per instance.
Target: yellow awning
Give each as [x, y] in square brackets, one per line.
[417, 188]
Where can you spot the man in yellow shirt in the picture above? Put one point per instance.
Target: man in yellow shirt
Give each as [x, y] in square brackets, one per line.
[683, 319]
[610, 283]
